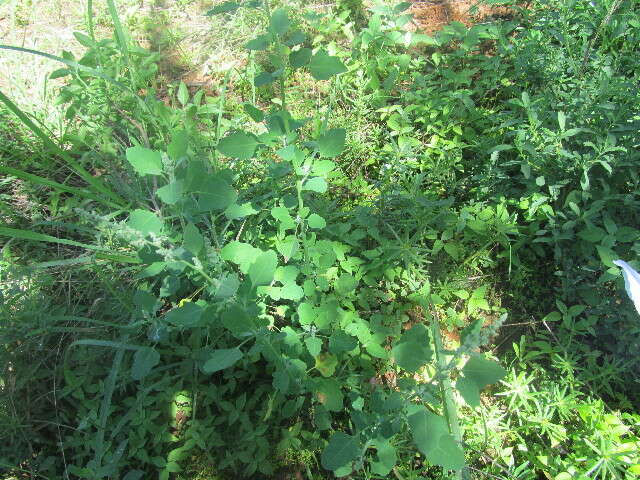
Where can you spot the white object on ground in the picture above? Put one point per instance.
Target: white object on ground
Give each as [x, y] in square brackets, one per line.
[631, 282]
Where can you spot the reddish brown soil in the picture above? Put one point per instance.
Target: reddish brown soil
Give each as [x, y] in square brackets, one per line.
[430, 16]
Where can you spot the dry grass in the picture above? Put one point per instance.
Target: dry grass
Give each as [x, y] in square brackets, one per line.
[193, 47]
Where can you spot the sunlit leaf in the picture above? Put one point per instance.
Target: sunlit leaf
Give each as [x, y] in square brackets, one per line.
[145, 222]
[145, 161]
[280, 22]
[239, 145]
[261, 271]
[331, 144]
[316, 184]
[316, 221]
[314, 345]
[431, 435]
[171, 193]
[323, 66]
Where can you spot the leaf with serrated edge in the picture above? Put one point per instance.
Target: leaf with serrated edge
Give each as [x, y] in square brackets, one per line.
[221, 359]
[145, 161]
[143, 362]
[341, 451]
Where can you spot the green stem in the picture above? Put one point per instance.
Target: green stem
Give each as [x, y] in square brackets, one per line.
[446, 389]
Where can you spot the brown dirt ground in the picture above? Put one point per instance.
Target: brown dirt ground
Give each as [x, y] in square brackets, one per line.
[429, 16]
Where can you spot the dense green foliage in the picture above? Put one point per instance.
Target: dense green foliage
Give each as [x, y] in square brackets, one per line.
[315, 271]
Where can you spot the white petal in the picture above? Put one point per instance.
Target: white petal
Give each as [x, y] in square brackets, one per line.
[631, 282]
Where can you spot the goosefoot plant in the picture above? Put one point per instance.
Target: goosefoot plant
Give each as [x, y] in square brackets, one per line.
[266, 318]
[289, 301]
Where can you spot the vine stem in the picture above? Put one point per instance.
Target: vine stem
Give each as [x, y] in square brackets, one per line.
[446, 389]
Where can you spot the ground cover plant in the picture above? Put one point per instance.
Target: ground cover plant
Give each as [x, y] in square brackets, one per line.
[368, 253]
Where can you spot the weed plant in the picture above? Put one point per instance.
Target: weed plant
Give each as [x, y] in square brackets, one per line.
[301, 274]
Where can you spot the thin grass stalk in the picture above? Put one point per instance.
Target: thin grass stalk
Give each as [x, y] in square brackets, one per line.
[16, 233]
[94, 182]
[122, 38]
[69, 63]
[37, 179]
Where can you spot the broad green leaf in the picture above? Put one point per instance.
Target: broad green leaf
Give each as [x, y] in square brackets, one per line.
[179, 144]
[281, 380]
[323, 66]
[170, 285]
[322, 167]
[146, 302]
[261, 271]
[482, 371]
[288, 247]
[413, 349]
[326, 364]
[376, 350]
[183, 94]
[340, 342]
[84, 40]
[236, 211]
[225, 7]
[222, 358]
[240, 253]
[315, 184]
[296, 38]
[346, 284]
[300, 58]
[478, 373]
[145, 161]
[284, 217]
[306, 313]
[239, 145]
[331, 144]
[387, 458]
[192, 239]
[187, 315]
[431, 435]
[607, 255]
[256, 114]
[264, 78]
[316, 221]
[151, 271]
[593, 235]
[329, 394]
[341, 452]
[216, 194]
[291, 291]
[145, 222]
[172, 192]
[143, 362]
[238, 321]
[227, 287]
[280, 22]
[469, 391]
[314, 345]
[261, 42]
[287, 274]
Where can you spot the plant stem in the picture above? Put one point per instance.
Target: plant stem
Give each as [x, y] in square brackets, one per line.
[446, 389]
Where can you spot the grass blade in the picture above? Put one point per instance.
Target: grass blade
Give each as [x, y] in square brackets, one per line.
[41, 237]
[69, 63]
[122, 39]
[74, 165]
[30, 177]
